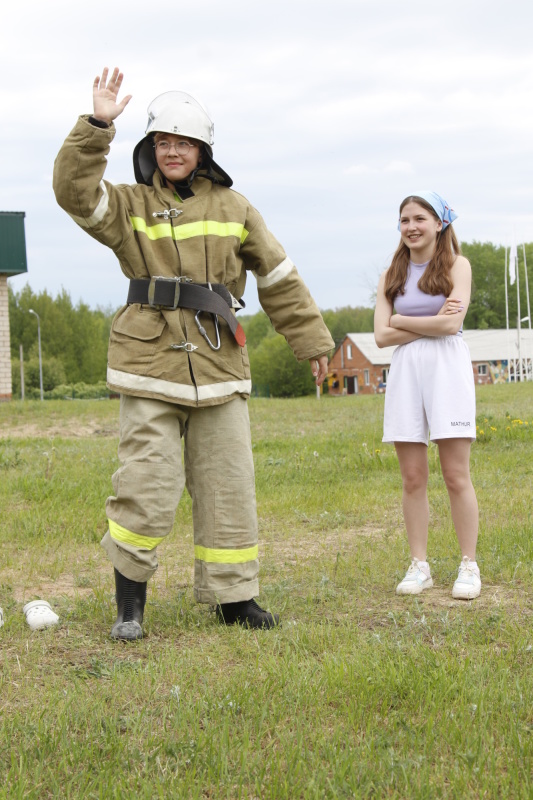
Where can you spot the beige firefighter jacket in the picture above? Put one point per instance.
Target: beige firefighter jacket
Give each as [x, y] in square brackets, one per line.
[217, 237]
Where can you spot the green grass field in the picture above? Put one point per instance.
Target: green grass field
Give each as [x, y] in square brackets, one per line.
[360, 693]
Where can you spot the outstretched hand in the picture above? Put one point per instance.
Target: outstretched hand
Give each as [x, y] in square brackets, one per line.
[106, 107]
[319, 368]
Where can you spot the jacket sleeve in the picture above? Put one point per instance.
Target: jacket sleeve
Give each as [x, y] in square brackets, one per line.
[94, 204]
[283, 294]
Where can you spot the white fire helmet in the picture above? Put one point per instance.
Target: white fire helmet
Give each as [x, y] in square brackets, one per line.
[180, 114]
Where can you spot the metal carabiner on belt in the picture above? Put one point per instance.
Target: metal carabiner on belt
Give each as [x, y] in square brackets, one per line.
[204, 332]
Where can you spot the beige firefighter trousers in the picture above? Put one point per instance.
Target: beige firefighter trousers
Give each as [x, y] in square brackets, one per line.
[219, 475]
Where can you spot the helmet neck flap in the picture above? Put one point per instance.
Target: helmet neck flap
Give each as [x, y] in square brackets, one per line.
[178, 113]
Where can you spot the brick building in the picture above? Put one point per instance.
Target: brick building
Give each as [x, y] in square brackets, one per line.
[359, 366]
[12, 262]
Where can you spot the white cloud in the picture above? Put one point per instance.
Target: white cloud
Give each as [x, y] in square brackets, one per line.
[368, 169]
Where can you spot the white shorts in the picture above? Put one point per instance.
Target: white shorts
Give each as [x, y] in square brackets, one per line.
[430, 387]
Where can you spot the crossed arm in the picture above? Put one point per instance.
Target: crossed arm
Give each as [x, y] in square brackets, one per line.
[393, 329]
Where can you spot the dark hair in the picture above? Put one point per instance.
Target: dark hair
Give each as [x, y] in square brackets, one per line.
[436, 278]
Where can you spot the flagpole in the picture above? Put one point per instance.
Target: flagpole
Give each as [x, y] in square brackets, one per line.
[529, 359]
[507, 319]
[518, 322]
[527, 285]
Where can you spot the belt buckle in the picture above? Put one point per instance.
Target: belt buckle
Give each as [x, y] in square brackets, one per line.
[152, 289]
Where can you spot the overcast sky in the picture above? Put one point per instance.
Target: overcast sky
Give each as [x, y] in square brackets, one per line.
[327, 114]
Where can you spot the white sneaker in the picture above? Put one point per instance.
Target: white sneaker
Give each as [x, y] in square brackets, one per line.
[417, 578]
[468, 583]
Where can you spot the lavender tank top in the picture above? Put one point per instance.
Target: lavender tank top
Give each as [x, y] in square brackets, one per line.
[415, 303]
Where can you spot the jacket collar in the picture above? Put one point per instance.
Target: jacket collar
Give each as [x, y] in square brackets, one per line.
[200, 187]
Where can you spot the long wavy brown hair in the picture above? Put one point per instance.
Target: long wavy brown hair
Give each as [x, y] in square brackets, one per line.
[436, 278]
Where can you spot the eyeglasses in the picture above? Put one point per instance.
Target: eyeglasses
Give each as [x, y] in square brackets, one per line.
[182, 148]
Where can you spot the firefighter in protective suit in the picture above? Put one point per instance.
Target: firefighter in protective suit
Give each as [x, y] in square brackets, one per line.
[187, 242]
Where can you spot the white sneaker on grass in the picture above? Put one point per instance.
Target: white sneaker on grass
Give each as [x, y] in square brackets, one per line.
[468, 583]
[417, 578]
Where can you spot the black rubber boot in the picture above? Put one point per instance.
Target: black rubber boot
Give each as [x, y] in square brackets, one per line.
[246, 613]
[131, 597]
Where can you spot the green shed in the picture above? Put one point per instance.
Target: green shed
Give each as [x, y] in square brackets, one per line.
[12, 262]
[12, 243]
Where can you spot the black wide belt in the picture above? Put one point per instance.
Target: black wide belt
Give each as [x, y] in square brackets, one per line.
[172, 293]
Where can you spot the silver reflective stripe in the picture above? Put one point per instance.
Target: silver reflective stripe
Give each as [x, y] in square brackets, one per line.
[99, 212]
[142, 383]
[224, 389]
[278, 274]
[175, 391]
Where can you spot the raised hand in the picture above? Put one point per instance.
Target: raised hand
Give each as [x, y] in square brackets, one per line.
[106, 107]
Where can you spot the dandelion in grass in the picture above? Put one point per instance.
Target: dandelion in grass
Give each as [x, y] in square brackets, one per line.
[228, 703]
[175, 693]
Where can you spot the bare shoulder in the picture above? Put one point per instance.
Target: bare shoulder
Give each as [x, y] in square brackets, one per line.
[461, 276]
[461, 263]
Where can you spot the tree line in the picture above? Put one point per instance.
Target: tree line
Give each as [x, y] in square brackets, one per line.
[74, 338]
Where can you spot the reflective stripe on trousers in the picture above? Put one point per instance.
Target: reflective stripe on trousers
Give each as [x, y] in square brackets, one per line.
[219, 475]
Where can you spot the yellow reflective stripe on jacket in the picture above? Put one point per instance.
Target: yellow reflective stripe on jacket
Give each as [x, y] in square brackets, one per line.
[226, 556]
[120, 534]
[188, 230]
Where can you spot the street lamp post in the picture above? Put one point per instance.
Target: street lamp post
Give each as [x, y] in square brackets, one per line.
[31, 311]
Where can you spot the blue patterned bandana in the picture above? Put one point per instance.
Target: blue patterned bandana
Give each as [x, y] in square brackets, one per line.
[439, 205]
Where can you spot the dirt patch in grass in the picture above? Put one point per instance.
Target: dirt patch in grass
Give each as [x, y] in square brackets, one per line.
[174, 573]
[31, 587]
[307, 546]
[68, 429]
[492, 596]
[91, 569]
